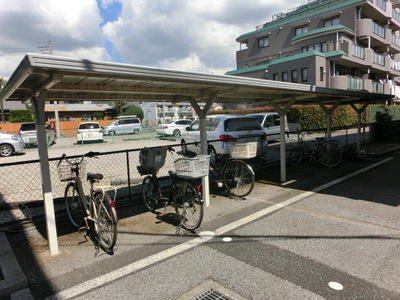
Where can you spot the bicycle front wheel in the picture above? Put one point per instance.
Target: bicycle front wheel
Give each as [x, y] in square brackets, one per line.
[105, 222]
[73, 205]
[189, 206]
[295, 155]
[149, 193]
[330, 155]
[238, 178]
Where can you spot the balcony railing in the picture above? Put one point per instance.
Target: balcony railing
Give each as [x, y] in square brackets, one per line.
[381, 4]
[378, 30]
[355, 83]
[358, 51]
[377, 87]
[395, 40]
[378, 59]
[396, 15]
[395, 65]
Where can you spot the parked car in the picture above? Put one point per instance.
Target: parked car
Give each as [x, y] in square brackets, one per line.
[231, 129]
[271, 122]
[123, 126]
[89, 132]
[10, 143]
[28, 133]
[175, 127]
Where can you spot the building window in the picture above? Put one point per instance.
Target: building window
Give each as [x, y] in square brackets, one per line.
[294, 75]
[276, 76]
[301, 30]
[331, 22]
[285, 76]
[263, 42]
[321, 73]
[304, 74]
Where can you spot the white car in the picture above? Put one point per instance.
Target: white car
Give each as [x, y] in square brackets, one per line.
[174, 128]
[224, 131]
[271, 121]
[10, 143]
[89, 132]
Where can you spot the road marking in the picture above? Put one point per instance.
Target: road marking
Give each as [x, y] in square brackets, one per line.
[153, 259]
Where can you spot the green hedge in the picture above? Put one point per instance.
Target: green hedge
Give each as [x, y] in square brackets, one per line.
[312, 117]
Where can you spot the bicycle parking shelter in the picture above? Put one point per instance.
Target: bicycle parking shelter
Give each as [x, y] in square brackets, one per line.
[40, 78]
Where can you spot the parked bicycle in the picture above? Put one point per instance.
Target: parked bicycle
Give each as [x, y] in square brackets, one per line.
[326, 152]
[97, 210]
[185, 196]
[232, 172]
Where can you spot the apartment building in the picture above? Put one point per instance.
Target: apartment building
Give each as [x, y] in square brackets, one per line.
[344, 44]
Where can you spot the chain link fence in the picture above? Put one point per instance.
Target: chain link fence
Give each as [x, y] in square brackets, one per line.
[21, 195]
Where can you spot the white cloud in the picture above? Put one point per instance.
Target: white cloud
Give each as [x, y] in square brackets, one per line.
[196, 35]
[28, 24]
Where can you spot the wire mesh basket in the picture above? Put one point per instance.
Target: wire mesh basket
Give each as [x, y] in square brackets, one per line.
[65, 172]
[244, 150]
[195, 167]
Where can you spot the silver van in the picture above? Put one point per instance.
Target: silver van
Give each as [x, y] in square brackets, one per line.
[123, 126]
[271, 123]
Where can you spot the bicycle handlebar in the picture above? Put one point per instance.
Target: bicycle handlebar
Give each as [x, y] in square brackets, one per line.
[90, 154]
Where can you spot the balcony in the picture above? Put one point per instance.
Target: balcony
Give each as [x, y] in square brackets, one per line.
[379, 35]
[347, 82]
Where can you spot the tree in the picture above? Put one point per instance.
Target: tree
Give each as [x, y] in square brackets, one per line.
[133, 110]
[21, 115]
[118, 106]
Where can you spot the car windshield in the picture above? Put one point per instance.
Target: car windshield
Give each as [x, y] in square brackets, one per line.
[89, 126]
[28, 127]
[242, 124]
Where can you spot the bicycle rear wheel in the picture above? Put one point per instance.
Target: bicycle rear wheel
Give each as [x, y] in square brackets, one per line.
[238, 178]
[73, 205]
[149, 193]
[330, 154]
[295, 156]
[188, 205]
[105, 222]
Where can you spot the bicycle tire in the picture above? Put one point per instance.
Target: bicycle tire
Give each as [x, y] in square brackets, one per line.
[149, 193]
[189, 206]
[73, 205]
[295, 156]
[105, 222]
[238, 178]
[330, 154]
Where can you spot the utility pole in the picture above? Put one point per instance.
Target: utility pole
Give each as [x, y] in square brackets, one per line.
[3, 115]
[47, 49]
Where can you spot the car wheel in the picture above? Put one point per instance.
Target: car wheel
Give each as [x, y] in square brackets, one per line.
[6, 150]
[177, 133]
[213, 155]
[136, 131]
[112, 132]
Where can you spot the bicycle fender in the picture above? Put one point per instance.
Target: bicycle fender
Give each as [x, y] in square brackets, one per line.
[112, 205]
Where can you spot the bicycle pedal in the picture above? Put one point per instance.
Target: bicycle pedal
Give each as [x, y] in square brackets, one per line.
[82, 229]
[165, 199]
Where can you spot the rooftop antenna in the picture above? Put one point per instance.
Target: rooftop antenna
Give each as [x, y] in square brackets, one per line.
[47, 49]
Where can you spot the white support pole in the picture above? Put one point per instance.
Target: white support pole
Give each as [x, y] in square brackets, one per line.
[359, 111]
[328, 114]
[203, 139]
[45, 172]
[282, 115]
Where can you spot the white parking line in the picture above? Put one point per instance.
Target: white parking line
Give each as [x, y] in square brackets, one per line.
[153, 259]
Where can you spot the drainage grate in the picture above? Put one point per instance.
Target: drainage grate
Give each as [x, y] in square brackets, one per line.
[211, 295]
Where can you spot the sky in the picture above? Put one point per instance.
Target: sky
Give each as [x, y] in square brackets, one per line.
[190, 35]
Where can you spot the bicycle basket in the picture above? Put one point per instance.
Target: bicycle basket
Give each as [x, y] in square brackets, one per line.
[64, 170]
[193, 167]
[152, 159]
[244, 150]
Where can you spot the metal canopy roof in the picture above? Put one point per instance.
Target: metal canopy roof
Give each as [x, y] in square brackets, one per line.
[72, 79]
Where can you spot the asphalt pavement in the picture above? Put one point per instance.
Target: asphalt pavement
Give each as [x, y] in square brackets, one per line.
[322, 234]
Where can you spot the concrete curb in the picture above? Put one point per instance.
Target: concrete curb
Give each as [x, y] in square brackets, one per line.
[14, 279]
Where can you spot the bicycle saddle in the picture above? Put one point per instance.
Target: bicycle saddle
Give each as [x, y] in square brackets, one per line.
[94, 176]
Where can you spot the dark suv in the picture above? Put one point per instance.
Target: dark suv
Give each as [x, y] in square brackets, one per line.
[28, 133]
